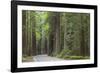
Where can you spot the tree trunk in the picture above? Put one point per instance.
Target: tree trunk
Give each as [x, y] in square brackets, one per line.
[33, 23]
[82, 39]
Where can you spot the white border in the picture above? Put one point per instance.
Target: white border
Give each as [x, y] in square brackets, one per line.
[56, 63]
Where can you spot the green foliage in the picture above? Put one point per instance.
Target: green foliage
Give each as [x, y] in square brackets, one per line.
[42, 26]
[63, 53]
[46, 27]
[38, 36]
[75, 57]
[71, 54]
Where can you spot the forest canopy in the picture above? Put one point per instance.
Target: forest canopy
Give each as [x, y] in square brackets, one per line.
[64, 35]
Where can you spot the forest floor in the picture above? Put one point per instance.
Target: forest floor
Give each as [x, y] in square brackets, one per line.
[27, 59]
[44, 57]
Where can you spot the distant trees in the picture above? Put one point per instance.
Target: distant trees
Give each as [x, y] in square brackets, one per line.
[59, 34]
[54, 34]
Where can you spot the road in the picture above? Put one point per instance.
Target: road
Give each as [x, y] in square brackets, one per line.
[45, 57]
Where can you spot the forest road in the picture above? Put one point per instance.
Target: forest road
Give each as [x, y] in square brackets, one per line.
[40, 58]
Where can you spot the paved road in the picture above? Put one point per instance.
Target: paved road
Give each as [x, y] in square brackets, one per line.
[44, 57]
